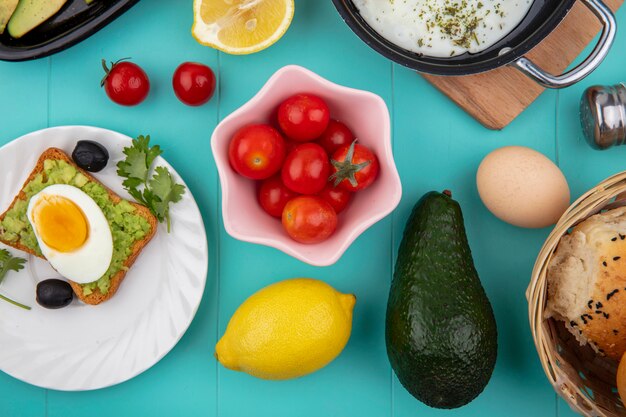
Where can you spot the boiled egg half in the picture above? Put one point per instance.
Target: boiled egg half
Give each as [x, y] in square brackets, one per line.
[72, 232]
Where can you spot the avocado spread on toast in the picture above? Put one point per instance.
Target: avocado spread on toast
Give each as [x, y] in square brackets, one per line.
[126, 226]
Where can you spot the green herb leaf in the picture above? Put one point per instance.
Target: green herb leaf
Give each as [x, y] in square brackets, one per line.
[151, 152]
[156, 193]
[164, 191]
[134, 166]
[10, 263]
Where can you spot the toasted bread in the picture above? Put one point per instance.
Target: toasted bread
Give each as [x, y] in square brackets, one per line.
[96, 297]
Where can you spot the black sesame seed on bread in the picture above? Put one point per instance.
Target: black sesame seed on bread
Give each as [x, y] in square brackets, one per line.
[587, 282]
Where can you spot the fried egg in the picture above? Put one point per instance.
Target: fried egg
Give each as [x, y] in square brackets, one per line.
[72, 232]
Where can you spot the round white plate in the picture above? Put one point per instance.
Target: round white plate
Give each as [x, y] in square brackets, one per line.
[85, 347]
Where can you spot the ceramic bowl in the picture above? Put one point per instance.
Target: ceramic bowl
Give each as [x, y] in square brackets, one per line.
[367, 116]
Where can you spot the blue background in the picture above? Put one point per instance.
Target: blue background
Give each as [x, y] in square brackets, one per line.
[437, 146]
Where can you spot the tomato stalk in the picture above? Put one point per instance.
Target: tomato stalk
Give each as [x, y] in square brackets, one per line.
[346, 170]
[107, 70]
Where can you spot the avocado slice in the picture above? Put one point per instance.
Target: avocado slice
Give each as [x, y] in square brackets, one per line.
[7, 7]
[440, 331]
[31, 13]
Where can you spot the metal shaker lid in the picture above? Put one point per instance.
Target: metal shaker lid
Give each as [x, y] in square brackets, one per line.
[603, 115]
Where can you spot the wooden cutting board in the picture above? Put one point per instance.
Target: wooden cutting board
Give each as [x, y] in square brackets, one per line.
[497, 97]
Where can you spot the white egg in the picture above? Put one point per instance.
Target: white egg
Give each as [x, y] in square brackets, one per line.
[522, 187]
[72, 232]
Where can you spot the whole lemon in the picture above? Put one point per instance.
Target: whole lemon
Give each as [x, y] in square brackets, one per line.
[287, 330]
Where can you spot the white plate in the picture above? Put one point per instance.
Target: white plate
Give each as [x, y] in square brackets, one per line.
[85, 347]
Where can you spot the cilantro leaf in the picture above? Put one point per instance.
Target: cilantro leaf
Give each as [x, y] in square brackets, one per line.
[139, 159]
[164, 191]
[164, 187]
[10, 263]
[131, 185]
[4, 255]
[134, 166]
[151, 152]
[157, 192]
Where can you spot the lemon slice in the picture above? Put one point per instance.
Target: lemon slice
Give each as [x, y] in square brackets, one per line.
[241, 26]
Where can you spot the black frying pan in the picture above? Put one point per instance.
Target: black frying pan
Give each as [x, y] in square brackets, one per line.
[543, 17]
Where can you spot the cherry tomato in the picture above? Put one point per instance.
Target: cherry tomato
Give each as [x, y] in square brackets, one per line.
[355, 167]
[256, 151]
[309, 219]
[193, 83]
[306, 169]
[303, 117]
[337, 197]
[273, 196]
[290, 146]
[125, 83]
[335, 136]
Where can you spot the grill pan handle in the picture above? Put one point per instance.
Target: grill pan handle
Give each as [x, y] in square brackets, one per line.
[576, 74]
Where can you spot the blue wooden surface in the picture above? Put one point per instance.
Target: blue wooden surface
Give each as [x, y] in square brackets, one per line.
[436, 145]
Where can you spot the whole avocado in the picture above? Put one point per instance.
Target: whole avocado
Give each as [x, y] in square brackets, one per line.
[440, 329]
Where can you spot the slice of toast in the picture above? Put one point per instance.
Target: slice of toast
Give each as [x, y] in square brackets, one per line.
[96, 297]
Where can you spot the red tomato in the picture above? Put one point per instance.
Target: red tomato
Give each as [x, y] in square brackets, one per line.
[355, 167]
[303, 117]
[273, 196]
[306, 169]
[290, 146]
[193, 83]
[257, 151]
[125, 83]
[337, 197]
[309, 219]
[335, 136]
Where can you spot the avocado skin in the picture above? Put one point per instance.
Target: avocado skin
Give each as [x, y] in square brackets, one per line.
[440, 331]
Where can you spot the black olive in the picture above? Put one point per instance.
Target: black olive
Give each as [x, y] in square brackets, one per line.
[54, 293]
[90, 155]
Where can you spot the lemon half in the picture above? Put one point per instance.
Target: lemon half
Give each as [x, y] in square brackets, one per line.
[241, 26]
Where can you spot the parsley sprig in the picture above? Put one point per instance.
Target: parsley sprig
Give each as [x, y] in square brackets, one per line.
[155, 192]
[10, 263]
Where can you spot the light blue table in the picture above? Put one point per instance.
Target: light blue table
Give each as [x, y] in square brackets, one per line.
[437, 146]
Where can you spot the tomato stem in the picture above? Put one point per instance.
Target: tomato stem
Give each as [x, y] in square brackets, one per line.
[107, 70]
[346, 170]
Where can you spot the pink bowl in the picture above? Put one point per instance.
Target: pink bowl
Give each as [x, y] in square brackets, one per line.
[367, 116]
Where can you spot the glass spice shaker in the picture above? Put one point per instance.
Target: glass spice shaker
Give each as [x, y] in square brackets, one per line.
[603, 115]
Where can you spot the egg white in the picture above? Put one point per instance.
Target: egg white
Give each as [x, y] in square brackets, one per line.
[91, 261]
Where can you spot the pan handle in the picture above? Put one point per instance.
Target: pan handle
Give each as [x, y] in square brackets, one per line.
[576, 74]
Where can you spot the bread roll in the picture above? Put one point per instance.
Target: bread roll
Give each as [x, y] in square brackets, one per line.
[587, 282]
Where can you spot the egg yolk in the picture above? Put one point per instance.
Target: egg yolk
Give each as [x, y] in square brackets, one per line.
[60, 223]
